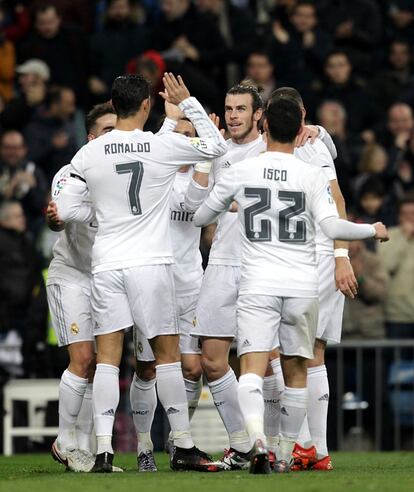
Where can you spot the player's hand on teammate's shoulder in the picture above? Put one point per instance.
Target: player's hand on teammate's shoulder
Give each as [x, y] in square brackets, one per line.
[308, 132]
[345, 278]
[381, 232]
[175, 91]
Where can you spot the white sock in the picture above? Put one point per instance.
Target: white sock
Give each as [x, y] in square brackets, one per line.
[293, 410]
[224, 393]
[105, 399]
[71, 391]
[84, 424]
[143, 399]
[251, 402]
[271, 399]
[318, 387]
[193, 392]
[278, 373]
[171, 392]
[304, 438]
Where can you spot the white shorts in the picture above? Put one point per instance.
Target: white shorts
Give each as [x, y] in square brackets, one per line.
[143, 296]
[216, 307]
[70, 310]
[331, 302]
[188, 345]
[261, 319]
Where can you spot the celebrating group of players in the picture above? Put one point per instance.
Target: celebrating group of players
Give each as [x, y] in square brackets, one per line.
[130, 207]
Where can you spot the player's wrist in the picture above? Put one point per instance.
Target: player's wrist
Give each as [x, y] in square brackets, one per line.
[341, 253]
[203, 167]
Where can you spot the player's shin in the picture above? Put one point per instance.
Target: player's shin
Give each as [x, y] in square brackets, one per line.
[143, 398]
[250, 394]
[318, 387]
[193, 391]
[171, 392]
[105, 400]
[84, 423]
[293, 411]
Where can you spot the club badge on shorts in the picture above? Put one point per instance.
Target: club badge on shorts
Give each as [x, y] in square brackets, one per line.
[74, 328]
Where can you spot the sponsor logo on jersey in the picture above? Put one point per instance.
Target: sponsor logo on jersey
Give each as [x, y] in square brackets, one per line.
[74, 328]
[226, 164]
[324, 397]
[181, 216]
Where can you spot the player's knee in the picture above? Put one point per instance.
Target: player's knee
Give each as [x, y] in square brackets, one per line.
[146, 371]
[82, 363]
[213, 368]
[193, 373]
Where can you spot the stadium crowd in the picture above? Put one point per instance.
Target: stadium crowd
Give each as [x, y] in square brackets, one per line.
[351, 60]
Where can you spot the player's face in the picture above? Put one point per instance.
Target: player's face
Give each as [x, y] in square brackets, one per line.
[185, 128]
[239, 116]
[103, 125]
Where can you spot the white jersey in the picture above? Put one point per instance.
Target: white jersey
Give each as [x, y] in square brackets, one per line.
[280, 198]
[129, 176]
[72, 251]
[319, 155]
[226, 247]
[188, 270]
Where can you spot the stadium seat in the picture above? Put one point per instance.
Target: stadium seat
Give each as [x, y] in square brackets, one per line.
[35, 392]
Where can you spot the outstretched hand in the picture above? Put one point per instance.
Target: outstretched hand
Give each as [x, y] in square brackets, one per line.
[216, 120]
[175, 90]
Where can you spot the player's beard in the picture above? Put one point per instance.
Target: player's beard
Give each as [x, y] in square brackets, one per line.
[240, 138]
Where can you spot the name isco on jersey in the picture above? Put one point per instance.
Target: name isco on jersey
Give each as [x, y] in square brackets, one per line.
[123, 148]
[181, 216]
[275, 174]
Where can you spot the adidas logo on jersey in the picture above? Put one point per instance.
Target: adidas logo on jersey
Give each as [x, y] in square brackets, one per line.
[283, 411]
[109, 413]
[324, 397]
[246, 343]
[172, 411]
[226, 164]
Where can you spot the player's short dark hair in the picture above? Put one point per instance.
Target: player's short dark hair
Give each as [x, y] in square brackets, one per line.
[289, 93]
[284, 119]
[248, 87]
[95, 113]
[128, 93]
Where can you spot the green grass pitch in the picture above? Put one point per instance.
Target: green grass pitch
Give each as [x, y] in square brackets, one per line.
[367, 472]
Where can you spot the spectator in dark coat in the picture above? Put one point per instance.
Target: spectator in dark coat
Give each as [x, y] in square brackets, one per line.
[64, 49]
[51, 135]
[21, 179]
[33, 76]
[120, 40]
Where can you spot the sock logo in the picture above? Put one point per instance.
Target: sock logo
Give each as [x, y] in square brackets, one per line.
[109, 413]
[246, 343]
[283, 411]
[324, 397]
[255, 391]
[271, 401]
[140, 412]
[218, 403]
[172, 411]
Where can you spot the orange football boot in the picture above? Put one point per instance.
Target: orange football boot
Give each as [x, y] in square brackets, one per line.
[303, 459]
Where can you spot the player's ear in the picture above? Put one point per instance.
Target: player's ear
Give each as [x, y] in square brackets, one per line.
[258, 114]
[265, 126]
[303, 115]
[146, 105]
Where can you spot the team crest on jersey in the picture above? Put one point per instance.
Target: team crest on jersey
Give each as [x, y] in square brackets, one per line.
[59, 185]
[74, 328]
[198, 143]
[194, 321]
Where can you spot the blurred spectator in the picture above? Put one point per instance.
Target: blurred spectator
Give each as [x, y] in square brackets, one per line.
[341, 86]
[7, 64]
[21, 285]
[33, 76]
[260, 70]
[401, 15]
[152, 66]
[183, 34]
[21, 180]
[397, 256]
[64, 49]
[300, 50]
[373, 163]
[364, 316]
[355, 25]
[398, 128]
[73, 12]
[397, 78]
[120, 40]
[51, 136]
[237, 27]
[14, 20]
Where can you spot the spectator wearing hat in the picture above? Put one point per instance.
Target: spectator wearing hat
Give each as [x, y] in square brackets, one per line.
[33, 76]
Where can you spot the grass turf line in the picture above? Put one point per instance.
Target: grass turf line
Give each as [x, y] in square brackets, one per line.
[354, 472]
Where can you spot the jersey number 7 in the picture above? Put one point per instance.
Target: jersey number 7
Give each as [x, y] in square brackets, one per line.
[297, 200]
[137, 171]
